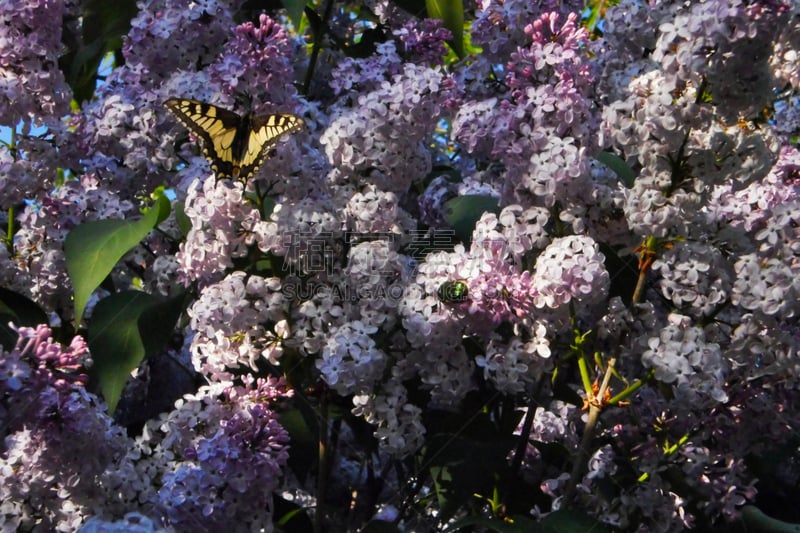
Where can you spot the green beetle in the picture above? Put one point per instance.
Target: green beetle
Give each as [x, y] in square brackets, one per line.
[453, 292]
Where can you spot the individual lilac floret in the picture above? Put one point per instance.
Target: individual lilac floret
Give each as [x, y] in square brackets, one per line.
[570, 268]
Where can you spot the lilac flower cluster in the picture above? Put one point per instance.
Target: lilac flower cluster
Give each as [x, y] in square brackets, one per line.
[223, 226]
[33, 87]
[57, 440]
[424, 41]
[219, 454]
[237, 322]
[542, 127]
[39, 269]
[255, 58]
[383, 137]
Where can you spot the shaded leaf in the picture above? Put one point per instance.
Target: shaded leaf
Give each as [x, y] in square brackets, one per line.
[157, 323]
[569, 521]
[301, 424]
[20, 310]
[290, 517]
[102, 28]
[620, 168]
[115, 341]
[462, 467]
[464, 211]
[184, 222]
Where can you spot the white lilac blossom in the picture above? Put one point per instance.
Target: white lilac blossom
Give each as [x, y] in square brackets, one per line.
[570, 268]
[351, 362]
[695, 277]
[682, 358]
[238, 321]
[384, 134]
[220, 222]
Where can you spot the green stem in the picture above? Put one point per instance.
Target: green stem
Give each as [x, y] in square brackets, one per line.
[630, 389]
[318, 33]
[582, 457]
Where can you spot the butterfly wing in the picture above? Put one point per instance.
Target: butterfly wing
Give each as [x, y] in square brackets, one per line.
[264, 134]
[217, 127]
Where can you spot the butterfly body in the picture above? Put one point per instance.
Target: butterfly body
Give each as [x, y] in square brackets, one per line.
[234, 145]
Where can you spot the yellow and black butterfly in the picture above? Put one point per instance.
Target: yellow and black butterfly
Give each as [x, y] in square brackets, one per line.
[234, 145]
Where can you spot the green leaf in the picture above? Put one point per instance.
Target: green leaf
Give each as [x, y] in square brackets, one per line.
[451, 13]
[755, 520]
[157, 323]
[92, 249]
[619, 167]
[20, 310]
[295, 10]
[464, 211]
[115, 341]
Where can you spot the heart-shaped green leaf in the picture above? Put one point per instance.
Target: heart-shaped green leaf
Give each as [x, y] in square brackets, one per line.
[92, 249]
